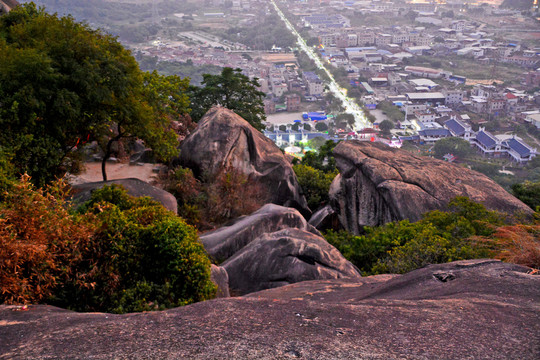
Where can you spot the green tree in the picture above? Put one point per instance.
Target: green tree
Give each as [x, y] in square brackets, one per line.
[232, 90]
[452, 145]
[323, 159]
[162, 99]
[529, 193]
[386, 126]
[320, 126]
[62, 84]
[315, 184]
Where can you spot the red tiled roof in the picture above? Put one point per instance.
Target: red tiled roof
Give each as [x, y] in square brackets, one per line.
[510, 96]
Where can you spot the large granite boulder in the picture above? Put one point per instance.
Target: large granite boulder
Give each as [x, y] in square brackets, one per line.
[463, 310]
[223, 139]
[227, 240]
[285, 257]
[378, 184]
[134, 187]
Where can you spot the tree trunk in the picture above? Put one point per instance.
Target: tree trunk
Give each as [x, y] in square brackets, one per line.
[108, 152]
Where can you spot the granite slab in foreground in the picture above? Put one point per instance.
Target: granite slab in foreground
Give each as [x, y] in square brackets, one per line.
[481, 309]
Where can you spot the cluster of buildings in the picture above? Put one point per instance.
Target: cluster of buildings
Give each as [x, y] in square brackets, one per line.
[484, 141]
[379, 61]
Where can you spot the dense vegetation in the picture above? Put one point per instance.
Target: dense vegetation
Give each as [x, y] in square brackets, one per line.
[233, 90]
[116, 254]
[466, 230]
[183, 69]
[131, 21]
[63, 84]
[315, 184]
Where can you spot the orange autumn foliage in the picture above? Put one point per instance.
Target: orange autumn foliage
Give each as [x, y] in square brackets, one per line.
[519, 244]
[39, 240]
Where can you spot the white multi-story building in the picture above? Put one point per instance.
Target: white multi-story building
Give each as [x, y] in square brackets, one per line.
[454, 97]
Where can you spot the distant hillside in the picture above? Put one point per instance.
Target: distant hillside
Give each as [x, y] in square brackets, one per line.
[517, 4]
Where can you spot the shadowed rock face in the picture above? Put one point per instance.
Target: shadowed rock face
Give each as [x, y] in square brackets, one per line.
[7, 5]
[484, 310]
[272, 247]
[378, 184]
[223, 139]
[134, 187]
[285, 257]
[220, 277]
[224, 242]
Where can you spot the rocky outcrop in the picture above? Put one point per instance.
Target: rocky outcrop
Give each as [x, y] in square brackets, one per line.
[224, 242]
[220, 278]
[223, 139]
[464, 310]
[325, 219]
[285, 257]
[378, 184]
[272, 247]
[7, 5]
[134, 187]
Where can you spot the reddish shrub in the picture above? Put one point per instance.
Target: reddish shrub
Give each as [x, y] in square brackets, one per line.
[39, 240]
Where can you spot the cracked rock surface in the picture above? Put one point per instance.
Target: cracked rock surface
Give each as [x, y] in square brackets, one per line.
[378, 184]
[489, 310]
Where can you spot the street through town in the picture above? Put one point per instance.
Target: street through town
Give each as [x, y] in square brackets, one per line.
[349, 104]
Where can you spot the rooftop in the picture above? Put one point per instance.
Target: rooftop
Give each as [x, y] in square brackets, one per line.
[486, 139]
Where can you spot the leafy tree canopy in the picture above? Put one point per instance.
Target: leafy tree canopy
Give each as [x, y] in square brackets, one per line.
[452, 145]
[529, 193]
[233, 90]
[386, 126]
[62, 84]
[323, 159]
[315, 184]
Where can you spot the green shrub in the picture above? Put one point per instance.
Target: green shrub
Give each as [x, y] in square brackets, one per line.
[529, 193]
[363, 251]
[404, 246]
[426, 247]
[146, 258]
[116, 254]
[7, 172]
[315, 184]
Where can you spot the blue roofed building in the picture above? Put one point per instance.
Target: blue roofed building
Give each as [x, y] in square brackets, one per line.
[290, 137]
[518, 150]
[488, 143]
[432, 135]
[460, 129]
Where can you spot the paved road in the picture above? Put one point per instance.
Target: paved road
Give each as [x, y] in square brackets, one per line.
[349, 104]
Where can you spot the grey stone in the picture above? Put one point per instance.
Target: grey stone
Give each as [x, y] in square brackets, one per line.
[285, 257]
[378, 184]
[220, 277]
[223, 139]
[227, 240]
[489, 311]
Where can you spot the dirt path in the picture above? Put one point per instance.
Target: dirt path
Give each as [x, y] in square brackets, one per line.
[92, 172]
